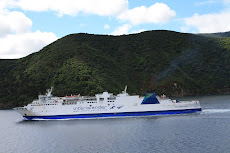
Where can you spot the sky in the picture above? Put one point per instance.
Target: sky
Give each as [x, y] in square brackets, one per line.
[26, 26]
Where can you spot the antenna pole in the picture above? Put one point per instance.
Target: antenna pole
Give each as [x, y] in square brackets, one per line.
[125, 88]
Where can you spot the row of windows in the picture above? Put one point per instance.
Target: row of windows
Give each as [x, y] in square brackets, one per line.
[50, 104]
[112, 98]
[73, 103]
[43, 104]
[21, 108]
[111, 101]
[90, 99]
[96, 102]
[50, 101]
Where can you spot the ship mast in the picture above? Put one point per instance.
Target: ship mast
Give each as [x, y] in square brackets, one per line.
[125, 89]
[49, 91]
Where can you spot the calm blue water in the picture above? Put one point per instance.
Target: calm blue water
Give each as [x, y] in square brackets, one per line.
[208, 132]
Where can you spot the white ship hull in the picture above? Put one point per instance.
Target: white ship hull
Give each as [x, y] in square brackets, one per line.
[104, 105]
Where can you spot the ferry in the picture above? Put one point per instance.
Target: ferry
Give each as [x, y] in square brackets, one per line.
[104, 105]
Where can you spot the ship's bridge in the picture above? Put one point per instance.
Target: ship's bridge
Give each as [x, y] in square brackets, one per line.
[44, 98]
[104, 96]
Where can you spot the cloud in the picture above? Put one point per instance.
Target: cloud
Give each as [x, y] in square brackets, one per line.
[16, 46]
[157, 13]
[209, 23]
[14, 22]
[206, 2]
[73, 7]
[6, 3]
[16, 39]
[184, 29]
[226, 1]
[124, 29]
[138, 31]
[106, 26]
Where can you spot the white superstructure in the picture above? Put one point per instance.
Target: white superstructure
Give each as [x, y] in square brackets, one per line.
[103, 105]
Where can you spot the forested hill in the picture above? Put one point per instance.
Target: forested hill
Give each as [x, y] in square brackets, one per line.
[176, 64]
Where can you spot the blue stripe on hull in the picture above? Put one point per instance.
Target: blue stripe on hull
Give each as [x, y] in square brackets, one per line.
[103, 115]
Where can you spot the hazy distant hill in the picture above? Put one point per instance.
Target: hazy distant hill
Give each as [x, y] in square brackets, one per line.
[220, 34]
[168, 62]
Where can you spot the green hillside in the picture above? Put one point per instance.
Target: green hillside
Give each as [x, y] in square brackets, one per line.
[176, 64]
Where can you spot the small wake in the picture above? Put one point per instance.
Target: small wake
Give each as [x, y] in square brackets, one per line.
[215, 110]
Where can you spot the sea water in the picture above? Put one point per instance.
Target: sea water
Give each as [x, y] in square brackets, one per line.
[205, 132]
